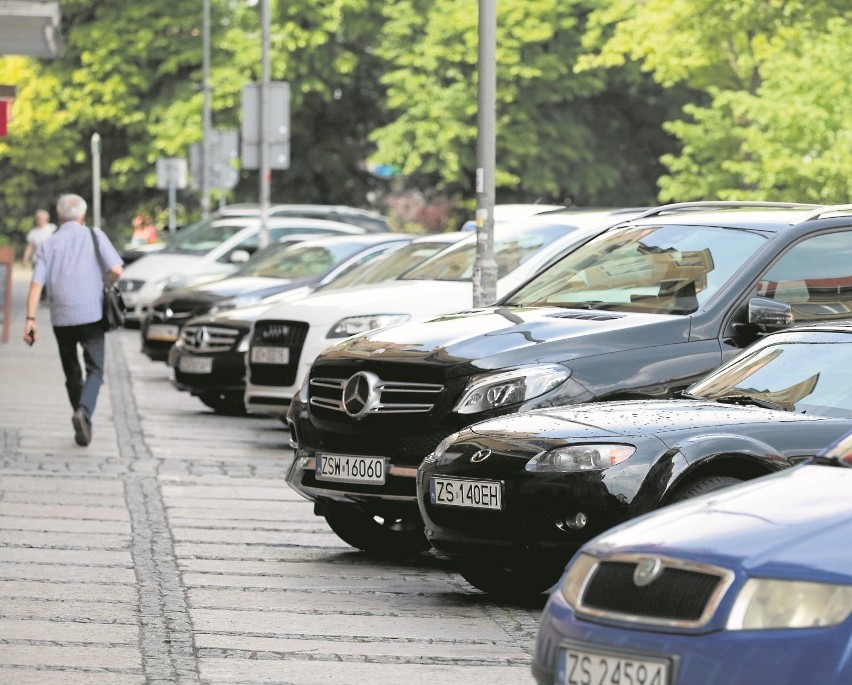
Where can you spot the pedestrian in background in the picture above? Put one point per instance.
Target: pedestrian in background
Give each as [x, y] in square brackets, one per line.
[42, 230]
[144, 231]
[68, 266]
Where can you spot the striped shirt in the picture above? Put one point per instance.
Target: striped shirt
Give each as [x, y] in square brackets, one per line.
[67, 265]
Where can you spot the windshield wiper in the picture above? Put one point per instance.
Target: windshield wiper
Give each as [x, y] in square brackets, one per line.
[751, 399]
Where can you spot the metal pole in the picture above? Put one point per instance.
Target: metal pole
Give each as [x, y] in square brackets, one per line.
[265, 172]
[485, 267]
[96, 180]
[206, 115]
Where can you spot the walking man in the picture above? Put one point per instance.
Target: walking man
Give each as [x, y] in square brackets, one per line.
[67, 265]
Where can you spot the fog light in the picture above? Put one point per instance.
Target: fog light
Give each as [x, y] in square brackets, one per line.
[578, 522]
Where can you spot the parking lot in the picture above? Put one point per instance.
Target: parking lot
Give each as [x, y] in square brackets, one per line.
[171, 550]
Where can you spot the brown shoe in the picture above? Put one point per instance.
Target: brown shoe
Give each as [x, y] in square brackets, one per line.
[82, 427]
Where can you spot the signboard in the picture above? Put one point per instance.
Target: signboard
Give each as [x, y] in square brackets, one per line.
[223, 151]
[171, 172]
[277, 118]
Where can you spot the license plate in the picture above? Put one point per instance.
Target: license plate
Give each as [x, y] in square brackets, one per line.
[162, 331]
[344, 468]
[195, 364]
[580, 666]
[270, 355]
[463, 492]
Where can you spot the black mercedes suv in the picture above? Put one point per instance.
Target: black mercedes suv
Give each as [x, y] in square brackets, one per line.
[641, 311]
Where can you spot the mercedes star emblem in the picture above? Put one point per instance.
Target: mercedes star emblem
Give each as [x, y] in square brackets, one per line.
[361, 394]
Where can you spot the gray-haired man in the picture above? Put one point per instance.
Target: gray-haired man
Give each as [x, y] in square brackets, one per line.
[68, 266]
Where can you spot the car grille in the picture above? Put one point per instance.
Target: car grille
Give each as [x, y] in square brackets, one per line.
[683, 594]
[290, 334]
[326, 392]
[209, 338]
[180, 309]
[129, 285]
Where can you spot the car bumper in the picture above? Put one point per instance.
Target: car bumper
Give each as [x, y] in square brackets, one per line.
[780, 657]
[223, 373]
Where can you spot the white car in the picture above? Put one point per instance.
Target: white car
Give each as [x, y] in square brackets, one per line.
[216, 248]
[289, 336]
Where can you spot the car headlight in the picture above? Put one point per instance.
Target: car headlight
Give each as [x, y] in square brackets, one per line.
[352, 325]
[580, 458]
[574, 580]
[510, 387]
[244, 343]
[766, 604]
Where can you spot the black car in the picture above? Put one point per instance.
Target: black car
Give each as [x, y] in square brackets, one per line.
[209, 357]
[512, 498]
[299, 267]
[641, 311]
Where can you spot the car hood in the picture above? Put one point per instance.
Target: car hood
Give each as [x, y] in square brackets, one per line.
[416, 298]
[507, 337]
[253, 287]
[786, 525]
[154, 266]
[635, 419]
[242, 317]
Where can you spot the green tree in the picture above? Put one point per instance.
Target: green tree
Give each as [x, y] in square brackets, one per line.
[772, 120]
[590, 137]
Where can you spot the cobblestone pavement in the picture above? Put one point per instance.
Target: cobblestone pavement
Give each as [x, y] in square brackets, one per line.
[170, 550]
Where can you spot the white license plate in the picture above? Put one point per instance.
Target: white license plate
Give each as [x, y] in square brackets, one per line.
[463, 492]
[345, 468]
[195, 364]
[579, 666]
[162, 331]
[270, 355]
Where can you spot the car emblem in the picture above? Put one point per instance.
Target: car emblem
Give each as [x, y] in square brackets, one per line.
[361, 394]
[169, 313]
[202, 337]
[378, 350]
[647, 571]
[275, 331]
[480, 456]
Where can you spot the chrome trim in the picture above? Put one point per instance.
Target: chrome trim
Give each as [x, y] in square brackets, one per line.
[215, 338]
[375, 406]
[310, 464]
[725, 575]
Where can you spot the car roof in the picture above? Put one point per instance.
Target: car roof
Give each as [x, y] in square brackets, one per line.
[365, 238]
[285, 221]
[771, 217]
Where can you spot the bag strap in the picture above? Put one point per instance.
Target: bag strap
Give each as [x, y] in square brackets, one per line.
[98, 254]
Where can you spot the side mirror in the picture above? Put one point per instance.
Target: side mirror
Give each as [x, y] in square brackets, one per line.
[769, 314]
[239, 257]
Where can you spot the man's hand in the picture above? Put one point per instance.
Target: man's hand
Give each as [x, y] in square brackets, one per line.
[30, 333]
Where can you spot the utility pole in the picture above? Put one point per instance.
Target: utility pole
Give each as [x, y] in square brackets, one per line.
[96, 180]
[206, 115]
[264, 166]
[485, 267]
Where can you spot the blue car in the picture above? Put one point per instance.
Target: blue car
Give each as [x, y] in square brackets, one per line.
[749, 585]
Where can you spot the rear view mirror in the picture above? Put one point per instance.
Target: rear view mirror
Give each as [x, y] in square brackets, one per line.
[769, 314]
[239, 257]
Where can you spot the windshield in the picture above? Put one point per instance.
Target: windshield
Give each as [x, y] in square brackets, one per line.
[655, 269]
[200, 238]
[510, 251]
[815, 378]
[301, 261]
[387, 268]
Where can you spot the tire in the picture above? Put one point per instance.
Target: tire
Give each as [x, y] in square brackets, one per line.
[222, 404]
[389, 537]
[702, 486]
[512, 583]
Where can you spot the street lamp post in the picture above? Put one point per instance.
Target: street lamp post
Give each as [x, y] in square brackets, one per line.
[206, 115]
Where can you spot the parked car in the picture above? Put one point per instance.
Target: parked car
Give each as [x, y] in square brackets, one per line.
[513, 212]
[294, 269]
[440, 285]
[749, 585]
[223, 244]
[512, 498]
[209, 357]
[642, 311]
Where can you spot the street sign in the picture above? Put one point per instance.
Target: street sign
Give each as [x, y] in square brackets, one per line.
[277, 116]
[171, 172]
[223, 153]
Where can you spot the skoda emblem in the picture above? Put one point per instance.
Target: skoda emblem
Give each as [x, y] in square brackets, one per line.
[647, 571]
[480, 456]
[361, 394]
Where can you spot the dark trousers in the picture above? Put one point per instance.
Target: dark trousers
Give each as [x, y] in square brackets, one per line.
[83, 392]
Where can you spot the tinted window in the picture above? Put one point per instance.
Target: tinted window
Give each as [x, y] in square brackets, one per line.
[814, 277]
[202, 237]
[301, 261]
[664, 270]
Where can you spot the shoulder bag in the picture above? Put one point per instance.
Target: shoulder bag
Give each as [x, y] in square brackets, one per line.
[113, 305]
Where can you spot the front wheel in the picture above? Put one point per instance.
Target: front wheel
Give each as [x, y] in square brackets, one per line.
[702, 486]
[512, 583]
[392, 536]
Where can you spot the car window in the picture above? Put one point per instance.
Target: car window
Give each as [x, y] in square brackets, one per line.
[657, 269]
[808, 377]
[202, 237]
[510, 251]
[814, 277]
[302, 261]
